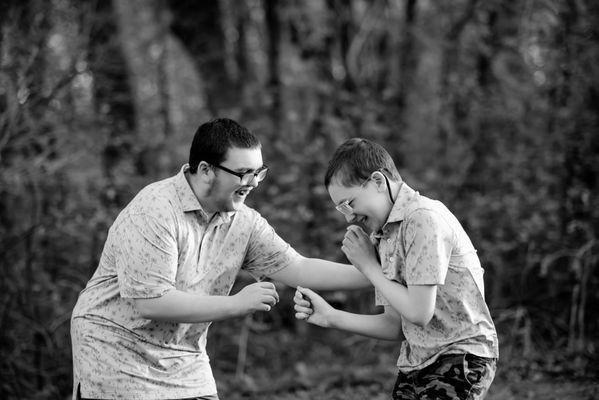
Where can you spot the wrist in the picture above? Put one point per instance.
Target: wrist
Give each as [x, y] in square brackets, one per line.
[371, 271]
[235, 306]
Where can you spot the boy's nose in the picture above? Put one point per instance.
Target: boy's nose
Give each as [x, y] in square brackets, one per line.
[254, 182]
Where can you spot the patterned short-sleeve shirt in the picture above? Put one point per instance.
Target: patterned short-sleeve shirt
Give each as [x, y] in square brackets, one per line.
[163, 240]
[422, 243]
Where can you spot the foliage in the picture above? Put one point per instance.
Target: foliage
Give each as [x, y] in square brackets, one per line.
[487, 106]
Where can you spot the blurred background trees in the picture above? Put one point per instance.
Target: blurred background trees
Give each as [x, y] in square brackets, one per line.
[488, 106]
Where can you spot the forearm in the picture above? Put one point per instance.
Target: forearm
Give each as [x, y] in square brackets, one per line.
[401, 300]
[379, 326]
[322, 275]
[182, 307]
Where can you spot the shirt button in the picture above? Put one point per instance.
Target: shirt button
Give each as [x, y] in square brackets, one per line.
[388, 240]
[391, 258]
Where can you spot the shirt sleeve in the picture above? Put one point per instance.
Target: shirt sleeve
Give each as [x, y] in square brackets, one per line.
[428, 243]
[267, 252]
[146, 260]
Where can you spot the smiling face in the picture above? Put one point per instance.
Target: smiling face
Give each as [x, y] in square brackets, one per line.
[227, 193]
[369, 202]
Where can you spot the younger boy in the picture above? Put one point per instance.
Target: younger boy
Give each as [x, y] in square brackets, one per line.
[425, 272]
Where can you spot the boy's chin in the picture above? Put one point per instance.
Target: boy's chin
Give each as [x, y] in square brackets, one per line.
[372, 227]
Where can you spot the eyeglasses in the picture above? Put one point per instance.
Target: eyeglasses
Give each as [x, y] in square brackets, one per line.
[344, 207]
[247, 177]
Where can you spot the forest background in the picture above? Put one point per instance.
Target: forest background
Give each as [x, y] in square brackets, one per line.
[489, 106]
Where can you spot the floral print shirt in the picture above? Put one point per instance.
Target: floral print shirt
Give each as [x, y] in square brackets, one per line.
[163, 240]
[422, 243]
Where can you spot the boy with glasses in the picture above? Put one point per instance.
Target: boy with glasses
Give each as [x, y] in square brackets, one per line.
[425, 272]
[169, 262]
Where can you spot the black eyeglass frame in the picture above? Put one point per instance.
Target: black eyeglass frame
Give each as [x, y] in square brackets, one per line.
[246, 177]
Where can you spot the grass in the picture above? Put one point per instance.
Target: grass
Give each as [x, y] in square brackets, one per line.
[308, 362]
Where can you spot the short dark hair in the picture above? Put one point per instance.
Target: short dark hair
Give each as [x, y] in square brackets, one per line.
[214, 138]
[356, 159]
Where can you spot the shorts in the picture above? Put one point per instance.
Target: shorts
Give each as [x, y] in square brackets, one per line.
[452, 376]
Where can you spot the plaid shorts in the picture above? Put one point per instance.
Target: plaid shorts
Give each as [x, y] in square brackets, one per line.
[452, 376]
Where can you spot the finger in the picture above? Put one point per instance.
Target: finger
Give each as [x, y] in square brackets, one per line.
[299, 298]
[351, 232]
[305, 310]
[301, 316]
[355, 229]
[265, 307]
[344, 249]
[304, 292]
[350, 240]
[267, 285]
[349, 235]
[271, 291]
[275, 294]
[301, 302]
[269, 299]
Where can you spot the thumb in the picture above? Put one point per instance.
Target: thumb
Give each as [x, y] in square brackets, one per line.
[310, 294]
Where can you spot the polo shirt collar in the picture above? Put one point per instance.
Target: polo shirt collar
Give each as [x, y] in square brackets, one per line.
[188, 200]
[405, 195]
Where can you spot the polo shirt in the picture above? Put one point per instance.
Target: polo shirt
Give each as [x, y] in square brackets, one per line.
[422, 243]
[163, 240]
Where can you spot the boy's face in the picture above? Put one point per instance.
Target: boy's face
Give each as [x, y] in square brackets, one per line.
[369, 204]
[227, 192]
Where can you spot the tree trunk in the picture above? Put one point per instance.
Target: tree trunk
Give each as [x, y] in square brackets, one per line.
[407, 56]
[199, 27]
[273, 27]
[142, 29]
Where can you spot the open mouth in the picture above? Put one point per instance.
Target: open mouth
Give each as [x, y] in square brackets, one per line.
[243, 191]
[361, 220]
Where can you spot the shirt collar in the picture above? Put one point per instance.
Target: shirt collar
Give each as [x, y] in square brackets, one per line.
[189, 201]
[405, 195]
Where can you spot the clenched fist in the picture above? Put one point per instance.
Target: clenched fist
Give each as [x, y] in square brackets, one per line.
[259, 296]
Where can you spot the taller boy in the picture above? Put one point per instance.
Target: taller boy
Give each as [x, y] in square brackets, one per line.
[425, 271]
[139, 327]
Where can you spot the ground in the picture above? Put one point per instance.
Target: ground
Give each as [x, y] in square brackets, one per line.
[313, 363]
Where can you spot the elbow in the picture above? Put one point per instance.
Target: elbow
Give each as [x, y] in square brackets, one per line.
[421, 320]
[399, 336]
[145, 308]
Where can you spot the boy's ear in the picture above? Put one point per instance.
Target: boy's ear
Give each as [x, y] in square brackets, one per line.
[205, 169]
[379, 180]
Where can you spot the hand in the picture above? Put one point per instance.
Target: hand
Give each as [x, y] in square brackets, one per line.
[311, 307]
[359, 250]
[259, 296]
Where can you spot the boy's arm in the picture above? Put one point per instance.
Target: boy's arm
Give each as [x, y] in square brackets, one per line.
[321, 275]
[416, 303]
[182, 307]
[313, 308]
